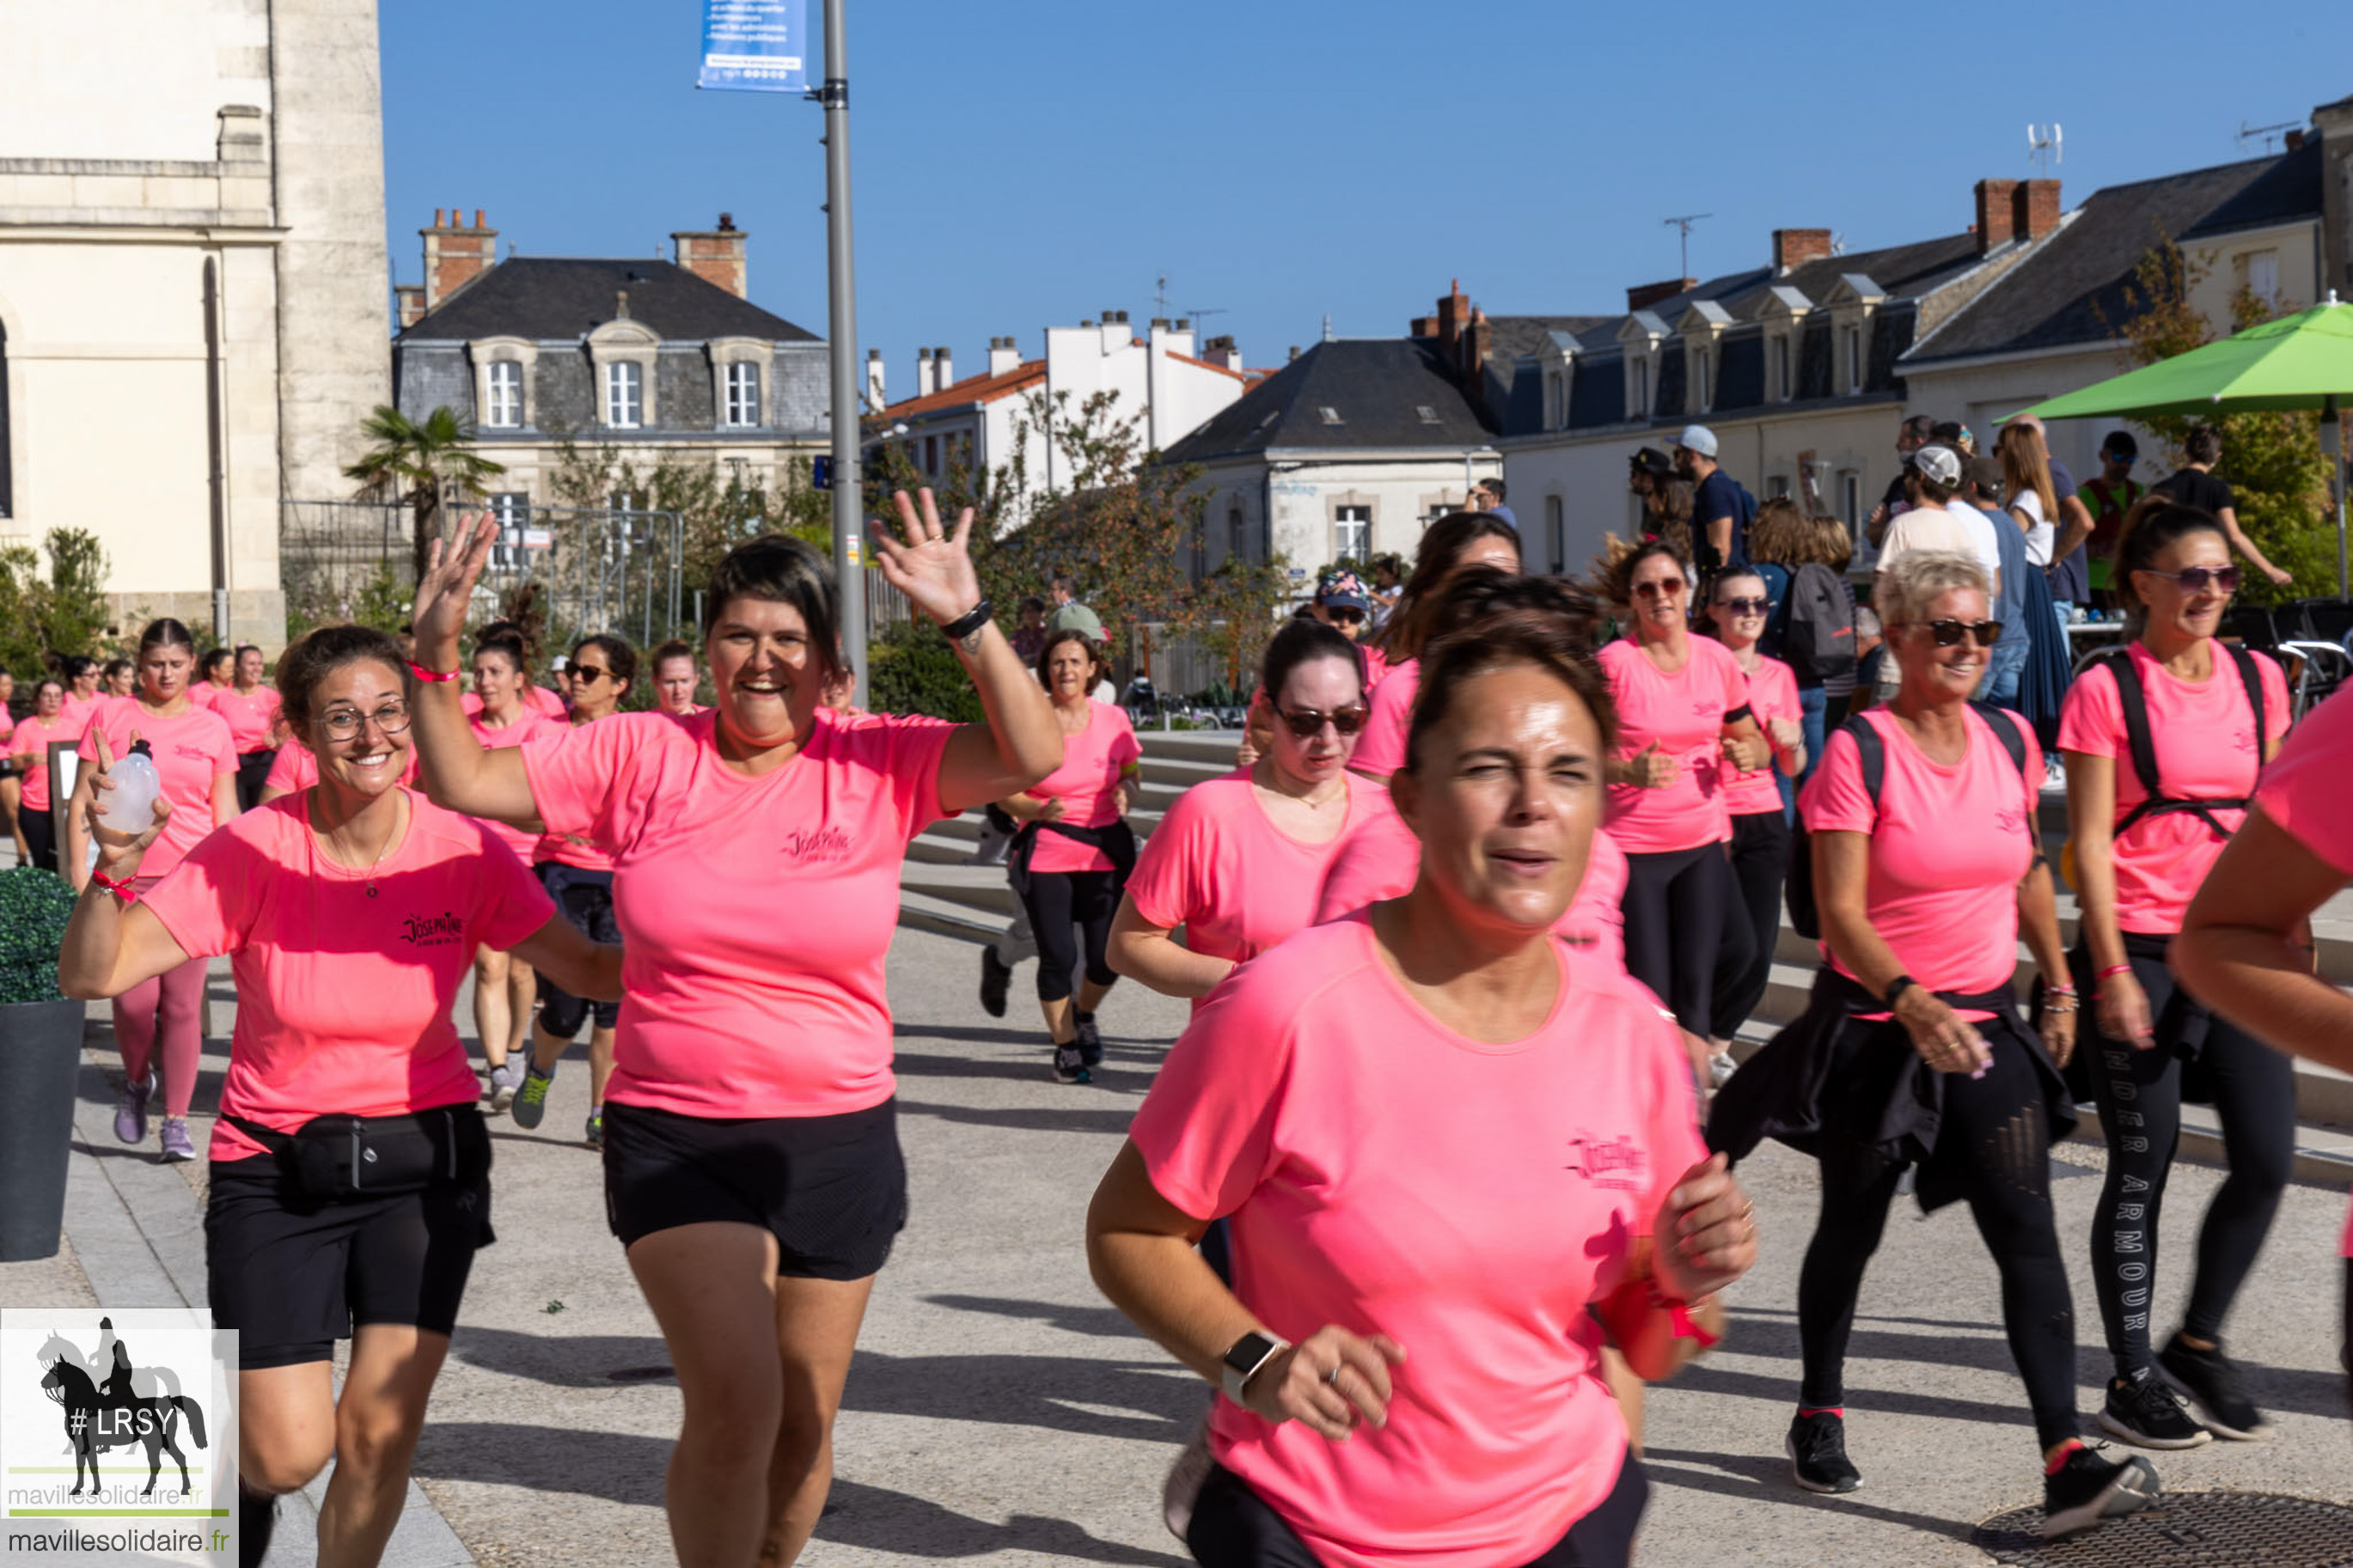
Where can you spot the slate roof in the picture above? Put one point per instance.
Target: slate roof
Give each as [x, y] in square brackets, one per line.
[544, 298]
[2072, 290]
[1378, 386]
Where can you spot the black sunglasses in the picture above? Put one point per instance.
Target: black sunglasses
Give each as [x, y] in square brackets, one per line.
[1746, 606]
[2197, 579]
[1949, 633]
[588, 672]
[1306, 723]
[1346, 618]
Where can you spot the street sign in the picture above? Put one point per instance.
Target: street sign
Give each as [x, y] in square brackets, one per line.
[821, 472]
[754, 46]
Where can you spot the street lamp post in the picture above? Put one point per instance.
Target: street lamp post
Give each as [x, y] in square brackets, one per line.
[849, 486]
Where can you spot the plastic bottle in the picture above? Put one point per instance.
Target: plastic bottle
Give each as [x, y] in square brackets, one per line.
[130, 806]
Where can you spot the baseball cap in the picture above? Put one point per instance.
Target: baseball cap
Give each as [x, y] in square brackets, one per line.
[1652, 461]
[1697, 438]
[1938, 464]
[1986, 474]
[1077, 617]
[1338, 588]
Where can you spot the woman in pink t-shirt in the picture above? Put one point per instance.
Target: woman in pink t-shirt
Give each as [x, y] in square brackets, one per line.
[215, 669]
[11, 790]
[504, 986]
[1683, 716]
[1911, 1051]
[338, 1041]
[1239, 861]
[29, 744]
[675, 679]
[1070, 860]
[1434, 1080]
[2246, 939]
[2137, 865]
[117, 678]
[196, 762]
[83, 675]
[752, 1164]
[251, 706]
[1736, 608]
[1449, 546]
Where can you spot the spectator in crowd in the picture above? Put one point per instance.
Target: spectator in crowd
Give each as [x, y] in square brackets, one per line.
[1487, 496]
[1910, 436]
[2195, 485]
[1984, 483]
[1868, 633]
[1389, 583]
[1029, 638]
[2107, 498]
[1777, 540]
[1956, 435]
[1721, 509]
[1068, 614]
[2070, 574]
[1946, 524]
[1646, 470]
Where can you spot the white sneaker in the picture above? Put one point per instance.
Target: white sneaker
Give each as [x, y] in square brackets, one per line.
[1720, 1069]
[1185, 1478]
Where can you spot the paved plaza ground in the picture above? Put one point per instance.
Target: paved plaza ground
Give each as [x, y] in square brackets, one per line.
[1001, 1412]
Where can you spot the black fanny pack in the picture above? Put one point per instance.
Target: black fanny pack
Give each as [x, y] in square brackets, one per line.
[346, 1157]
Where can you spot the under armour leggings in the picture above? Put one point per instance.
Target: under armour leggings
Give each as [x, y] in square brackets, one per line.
[2003, 1133]
[169, 1008]
[1680, 921]
[2139, 1095]
[1760, 859]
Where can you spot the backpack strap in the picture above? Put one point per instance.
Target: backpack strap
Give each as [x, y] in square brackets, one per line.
[1873, 750]
[2250, 676]
[2131, 697]
[2008, 733]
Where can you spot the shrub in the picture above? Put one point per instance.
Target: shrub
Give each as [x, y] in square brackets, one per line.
[35, 905]
[909, 668]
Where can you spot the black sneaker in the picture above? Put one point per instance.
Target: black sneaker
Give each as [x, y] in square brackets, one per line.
[2088, 1488]
[1090, 1041]
[2211, 1380]
[1818, 1460]
[2145, 1410]
[996, 975]
[1069, 1066]
[257, 1520]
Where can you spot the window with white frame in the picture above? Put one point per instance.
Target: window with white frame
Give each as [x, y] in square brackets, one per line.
[1854, 359]
[625, 394]
[2260, 271]
[1638, 389]
[1556, 531]
[743, 394]
[1701, 380]
[505, 411]
[1781, 383]
[1352, 533]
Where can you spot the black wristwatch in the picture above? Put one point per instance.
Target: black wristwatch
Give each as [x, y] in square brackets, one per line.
[1896, 988]
[1249, 1353]
[971, 621]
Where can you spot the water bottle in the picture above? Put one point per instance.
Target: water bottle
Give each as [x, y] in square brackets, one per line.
[129, 809]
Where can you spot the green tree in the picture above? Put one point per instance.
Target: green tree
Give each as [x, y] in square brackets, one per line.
[62, 610]
[2272, 462]
[415, 462]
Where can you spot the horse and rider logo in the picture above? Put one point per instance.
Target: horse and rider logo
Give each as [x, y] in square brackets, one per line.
[106, 1401]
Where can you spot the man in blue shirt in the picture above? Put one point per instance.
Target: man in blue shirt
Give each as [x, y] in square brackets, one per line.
[1487, 496]
[1720, 508]
[2006, 661]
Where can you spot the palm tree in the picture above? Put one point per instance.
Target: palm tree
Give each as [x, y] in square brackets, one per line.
[413, 460]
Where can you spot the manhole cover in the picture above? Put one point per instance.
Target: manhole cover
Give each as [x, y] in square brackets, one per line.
[640, 1374]
[2211, 1530]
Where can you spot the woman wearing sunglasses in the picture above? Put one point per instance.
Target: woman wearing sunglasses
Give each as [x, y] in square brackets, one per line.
[1070, 859]
[1454, 543]
[2139, 857]
[579, 877]
[1684, 718]
[504, 987]
[1239, 861]
[1911, 1051]
[1737, 608]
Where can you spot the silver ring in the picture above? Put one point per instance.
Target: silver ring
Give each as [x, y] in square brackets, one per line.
[1333, 1377]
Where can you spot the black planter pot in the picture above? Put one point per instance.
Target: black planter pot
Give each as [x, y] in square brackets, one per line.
[40, 1057]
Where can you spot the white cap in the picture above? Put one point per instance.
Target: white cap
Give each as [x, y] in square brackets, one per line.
[1939, 463]
[1697, 438]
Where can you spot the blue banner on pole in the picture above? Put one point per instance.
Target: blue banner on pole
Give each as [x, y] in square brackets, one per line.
[754, 46]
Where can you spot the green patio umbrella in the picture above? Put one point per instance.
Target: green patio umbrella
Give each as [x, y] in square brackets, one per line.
[2299, 361]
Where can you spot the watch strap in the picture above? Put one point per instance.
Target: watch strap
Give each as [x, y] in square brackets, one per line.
[971, 621]
[1243, 1360]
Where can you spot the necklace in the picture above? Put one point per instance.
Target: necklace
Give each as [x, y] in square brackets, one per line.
[390, 838]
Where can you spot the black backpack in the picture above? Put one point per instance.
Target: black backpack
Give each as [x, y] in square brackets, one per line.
[2133, 697]
[1799, 889]
[1818, 626]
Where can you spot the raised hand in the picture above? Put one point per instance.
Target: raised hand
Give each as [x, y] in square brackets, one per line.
[446, 589]
[118, 853]
[928, 563]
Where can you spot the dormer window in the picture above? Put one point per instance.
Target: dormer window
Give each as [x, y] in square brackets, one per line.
[1637, 388]
[743, 394]
[1702, 380]
[625, 394]
[1854, 360]
[504, 411]
[1784, 387]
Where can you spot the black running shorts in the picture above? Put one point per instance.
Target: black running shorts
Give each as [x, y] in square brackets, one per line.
[292, 1275]
[832, 1190]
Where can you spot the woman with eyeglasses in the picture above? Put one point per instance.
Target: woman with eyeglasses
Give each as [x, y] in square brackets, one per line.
[1683, 717]
[1926, 871]
[83, 675]
[1452, 544]
[504, 987]
[159, 1025]
[578, 875]
[1239, 861]
[2141, 847]
[1737, 607]
[45, 725]
[341, 1043]
[1070, 859]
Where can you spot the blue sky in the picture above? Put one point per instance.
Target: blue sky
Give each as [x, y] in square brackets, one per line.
[1031, 163]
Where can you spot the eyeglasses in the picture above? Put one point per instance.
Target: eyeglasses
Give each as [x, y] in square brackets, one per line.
[1306, 723]
[2198, 579]
[1745, 606]
[589, 673]
[1949, 633]
[1662, 588]
[343, 724]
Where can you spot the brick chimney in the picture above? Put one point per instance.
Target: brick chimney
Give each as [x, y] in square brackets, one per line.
[874, 400]
[1642, 296]
[1220, 351]
[1003, 356]
[1793, 247]
[2034, 208]
[410, 298]
[1997, 216]
[456, 255]
[715, 256]
[1453, 318]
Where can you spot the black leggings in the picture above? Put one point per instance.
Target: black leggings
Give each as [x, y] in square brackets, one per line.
[1760, 859]
[1056, 902]
[40, 831]
[1999, 1127]
[1678, 925]
[252, 774]
[2139, 1093]
[1234, 1527]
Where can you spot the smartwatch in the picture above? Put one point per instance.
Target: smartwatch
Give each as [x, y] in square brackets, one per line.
[1242, 1363]
[1896, 988]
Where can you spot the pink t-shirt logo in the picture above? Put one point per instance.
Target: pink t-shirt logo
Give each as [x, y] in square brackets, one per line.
[196, 754]
[817, 844]
[432, 930]
[2245, 742]
[1615, 1163]
[1703, 709]
[2011, 818]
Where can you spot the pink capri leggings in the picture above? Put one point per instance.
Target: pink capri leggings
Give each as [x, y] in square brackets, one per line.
[170, 1007]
